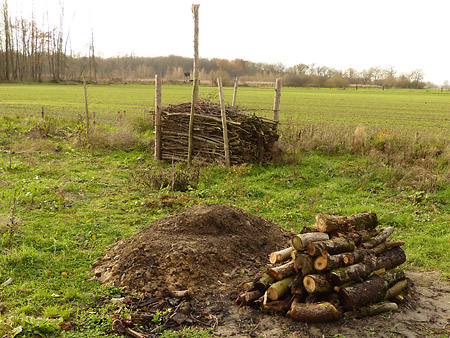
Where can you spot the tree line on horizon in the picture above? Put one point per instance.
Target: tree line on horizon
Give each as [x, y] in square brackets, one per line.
[32, 52]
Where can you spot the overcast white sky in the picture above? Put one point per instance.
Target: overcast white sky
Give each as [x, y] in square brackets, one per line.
[407, 34]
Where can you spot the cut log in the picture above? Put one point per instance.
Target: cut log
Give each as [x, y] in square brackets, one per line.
[300, 242]
[358, 295]
[391, 258]
[297, 288]
[282, 271]
[314, 313]
[278, 289]
[356, 272]
[331, 246]
[248, 297]
[278, 305]
[358, 237]
[249, 286]
[264, 282]
[280, 256]
[372, 310]
[380, 238]
[303, 263]
[317, 284]
[363, 221]
[397, 289]
[330, 262]
[385, 246]
[373, 290]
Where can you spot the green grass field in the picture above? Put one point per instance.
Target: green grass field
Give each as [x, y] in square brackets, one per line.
[69, 201]
[426, 112]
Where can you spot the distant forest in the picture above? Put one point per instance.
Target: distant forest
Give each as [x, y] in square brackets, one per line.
[29, 52]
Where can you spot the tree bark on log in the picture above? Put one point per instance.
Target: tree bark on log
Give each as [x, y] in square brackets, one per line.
[278, 289]
[363, 221]
[330, 262]
[300, 242]
[314, 313]
[391, 258]
[358, 295]
[264, 282]
[372, 310]
[385, 246]
[380, 238]
[303, 263]
[358, 237]
[373, 290]
[248, 297]
[331, 246]
[317, 284]
[280, 256]
[297, 288]
[397, 289]
[278, 305]
[356, 272]
[282, 271]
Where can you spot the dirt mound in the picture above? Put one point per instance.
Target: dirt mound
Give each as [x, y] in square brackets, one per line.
[203, 249]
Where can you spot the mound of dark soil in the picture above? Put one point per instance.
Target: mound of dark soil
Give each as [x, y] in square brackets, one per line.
[204, 249]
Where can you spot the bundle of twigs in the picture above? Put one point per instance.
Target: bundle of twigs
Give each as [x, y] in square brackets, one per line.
[251, 137]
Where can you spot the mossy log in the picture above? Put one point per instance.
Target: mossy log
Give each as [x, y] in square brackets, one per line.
[317, 284]
[264, 282]
[372, 310]
[280, 256]
[380, 238]
[300, 242]
[282, 271]
[373, 290]
[329, 262]
[297, 288]
[331, 246]
[303, 263]
[358, 237]
[330, 224]
[356, 272]
[280, 288]
[385, 246]
[314, 313]
[397, 289]
[391, 258]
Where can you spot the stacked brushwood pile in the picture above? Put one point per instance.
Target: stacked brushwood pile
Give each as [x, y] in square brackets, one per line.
[251, 138]
[343, 266]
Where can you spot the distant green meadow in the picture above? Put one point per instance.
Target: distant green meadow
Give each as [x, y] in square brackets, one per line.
[393, 110]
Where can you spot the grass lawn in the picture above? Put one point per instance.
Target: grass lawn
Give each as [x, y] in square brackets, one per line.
[63, 203]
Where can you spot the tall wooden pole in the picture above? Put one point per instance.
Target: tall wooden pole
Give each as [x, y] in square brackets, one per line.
[158, 108]
[226, 146]
[195, 87]
[276, 103]
[236, 83]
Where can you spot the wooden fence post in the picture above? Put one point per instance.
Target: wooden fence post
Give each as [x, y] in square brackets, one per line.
[195, 87]
[86, 106]
[158, 108]
[276, 103]
[226, 145]
[42, 112]
[236, 83]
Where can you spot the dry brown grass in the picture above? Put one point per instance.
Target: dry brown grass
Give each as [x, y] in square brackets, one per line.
[419, 163]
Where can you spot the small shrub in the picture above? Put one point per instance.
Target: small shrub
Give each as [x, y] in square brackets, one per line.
[178, 177]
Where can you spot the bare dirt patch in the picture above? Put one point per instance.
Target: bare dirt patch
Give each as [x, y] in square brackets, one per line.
[211, 250]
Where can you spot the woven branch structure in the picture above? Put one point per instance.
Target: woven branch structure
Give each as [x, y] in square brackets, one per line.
[251, 138]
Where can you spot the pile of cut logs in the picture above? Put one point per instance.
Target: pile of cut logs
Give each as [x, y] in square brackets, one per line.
[343, 266]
